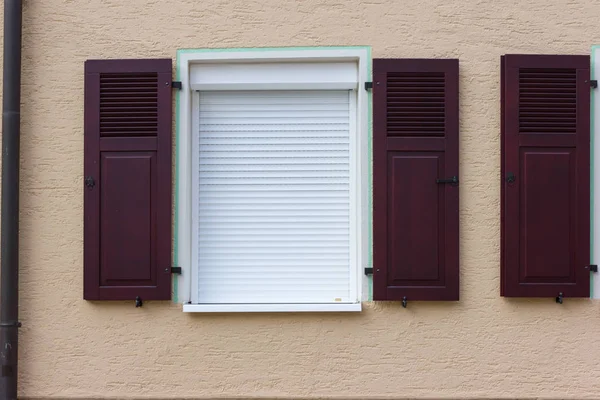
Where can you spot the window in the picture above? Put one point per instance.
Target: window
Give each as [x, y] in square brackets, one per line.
[272, 180]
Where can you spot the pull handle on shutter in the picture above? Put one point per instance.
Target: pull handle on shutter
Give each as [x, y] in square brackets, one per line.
[453, 181]
[90, 182]
[510, 177]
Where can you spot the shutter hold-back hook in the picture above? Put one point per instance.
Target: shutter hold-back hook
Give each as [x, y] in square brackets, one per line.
[404, 302]
[559, 298]
[138, 302]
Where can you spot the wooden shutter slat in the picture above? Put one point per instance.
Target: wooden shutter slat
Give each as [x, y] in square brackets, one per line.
[128, 98]
[545, 147]
[415, 137]
[393, 114]
[133, 116]
[548, 103]
[127, 212]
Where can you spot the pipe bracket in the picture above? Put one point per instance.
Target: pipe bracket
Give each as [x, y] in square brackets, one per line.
[10, 324]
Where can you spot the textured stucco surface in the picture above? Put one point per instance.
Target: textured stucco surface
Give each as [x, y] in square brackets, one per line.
[482, 346]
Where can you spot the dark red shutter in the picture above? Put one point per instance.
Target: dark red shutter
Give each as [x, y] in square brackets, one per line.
[127, 179]
[545, 175]
[415, 144]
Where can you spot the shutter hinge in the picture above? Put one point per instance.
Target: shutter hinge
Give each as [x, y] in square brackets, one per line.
[594, 83]
[368, 85]
[593, 268]
[176, 270]
[368, 271]
[453, 180]
[176, 85]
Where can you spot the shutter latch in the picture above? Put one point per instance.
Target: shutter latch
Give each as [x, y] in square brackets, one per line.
[176, 270]
[176, 85]
[559, 298]
[593, 268]
[368, 271]
[404, 302]
[594, 83]
[138, 302]
[368, 85]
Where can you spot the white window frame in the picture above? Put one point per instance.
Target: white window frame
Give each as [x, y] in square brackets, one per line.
[359, 172]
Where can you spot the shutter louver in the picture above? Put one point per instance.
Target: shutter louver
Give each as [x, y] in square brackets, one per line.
[128, 104]
[415, 144]
[127, 171]
[273, 197]
[416, 104]
[545, 176]
[547, 100]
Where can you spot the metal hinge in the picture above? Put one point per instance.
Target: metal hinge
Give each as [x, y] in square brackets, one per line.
[368, 85]
[594, 83]
[368, 271]
[176, 85]
[593, 268]
[176, 270]
[453, 180]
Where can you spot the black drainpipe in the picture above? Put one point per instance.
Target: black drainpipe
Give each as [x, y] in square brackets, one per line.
[9, 240]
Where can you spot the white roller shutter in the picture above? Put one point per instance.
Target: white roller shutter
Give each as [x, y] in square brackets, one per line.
[272, 200]
[290, 76]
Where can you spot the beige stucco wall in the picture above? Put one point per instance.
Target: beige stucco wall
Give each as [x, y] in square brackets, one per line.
[482, 346]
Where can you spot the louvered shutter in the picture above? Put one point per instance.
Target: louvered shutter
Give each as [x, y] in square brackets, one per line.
[272, 204]
[127, 179]
[415, 150]
[545, 175]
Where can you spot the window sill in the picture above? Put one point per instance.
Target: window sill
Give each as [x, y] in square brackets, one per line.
[224, 308]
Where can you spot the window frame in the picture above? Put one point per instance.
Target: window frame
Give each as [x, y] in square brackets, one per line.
[185, 124]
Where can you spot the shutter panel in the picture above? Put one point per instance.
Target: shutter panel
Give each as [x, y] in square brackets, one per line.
[272, 202]
[127, 172]
[545, 175]
[415, 143]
